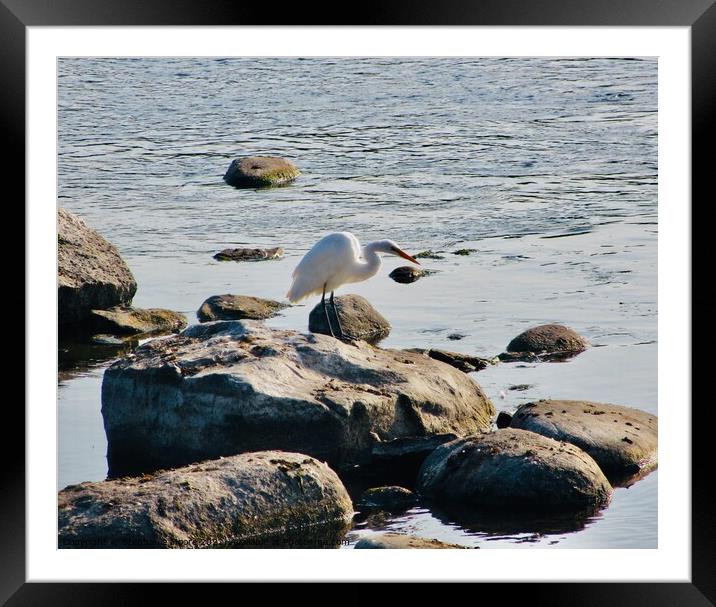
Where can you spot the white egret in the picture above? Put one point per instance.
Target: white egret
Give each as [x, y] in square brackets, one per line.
[338, 259]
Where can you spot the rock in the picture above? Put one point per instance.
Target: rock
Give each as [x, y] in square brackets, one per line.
[413, 448]
[260, 171]
[359, 319]
[255, 499]
[236, 307]
[133, 321]
[429, 255]
[464, 362]
[407, 274]
[548, 339]
[227, 387]
[514, 469]
[392, 499]
[396, 540]
[464, 251]
[249, 254]
[456, 336]
[623, 441]
[503, 420]
[91, 273]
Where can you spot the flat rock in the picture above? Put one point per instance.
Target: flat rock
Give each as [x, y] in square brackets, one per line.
[227, 387]
[622, 440]
[359, 319]
[408, 274]
[391, 498]
[255, 499]
[260, 171]
[398, 541]
[122, 320]
[249, 254]
[514, 469]
[91, 272]
[550, 338]
[237, 307]
[465, 362]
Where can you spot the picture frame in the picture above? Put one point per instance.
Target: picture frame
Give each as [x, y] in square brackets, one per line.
[699, 15]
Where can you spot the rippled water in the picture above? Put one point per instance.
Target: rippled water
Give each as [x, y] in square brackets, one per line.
[548, 167]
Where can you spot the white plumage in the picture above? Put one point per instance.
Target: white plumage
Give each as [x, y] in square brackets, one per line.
[338, 259]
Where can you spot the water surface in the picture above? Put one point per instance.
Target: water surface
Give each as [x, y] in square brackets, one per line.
[548, 167]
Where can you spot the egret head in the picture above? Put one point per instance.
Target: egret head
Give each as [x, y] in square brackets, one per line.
[390, 248]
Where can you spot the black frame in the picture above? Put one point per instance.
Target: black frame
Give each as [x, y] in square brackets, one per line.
[700, 15]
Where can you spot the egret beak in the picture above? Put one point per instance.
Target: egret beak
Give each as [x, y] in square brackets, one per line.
[404, 255]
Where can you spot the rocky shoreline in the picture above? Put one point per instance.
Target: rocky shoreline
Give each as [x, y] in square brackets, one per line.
[230, 433]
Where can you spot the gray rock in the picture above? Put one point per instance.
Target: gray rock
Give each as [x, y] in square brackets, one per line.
[548, 338]
[408, 274]
[392, 499]
[237, 307]
[514, 469]
[122, 320]
[260, 171]
[255, 499]
[465, 362]
[359, 319]
[622, 440]
[227, 387]
[398, 541]
[91, 273]
[255, 254]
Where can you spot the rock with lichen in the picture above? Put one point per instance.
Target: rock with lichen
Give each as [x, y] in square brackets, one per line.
[260, 171]
[227, 387]
[265, 499]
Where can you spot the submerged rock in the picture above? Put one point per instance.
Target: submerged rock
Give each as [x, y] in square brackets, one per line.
[237, 307]
[514, 469]
[398, 541]
[255, 254]
[408, 274]
[392, 499]
[255, 499]
[91, 273]
[465, 362]
[622, 440]
[227, 387]
[359, 319]
[429, 255]
[464, 252]
[133, 321]
[260, 171]
[545, 341]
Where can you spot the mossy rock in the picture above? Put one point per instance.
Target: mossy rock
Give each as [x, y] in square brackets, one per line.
[237, 307]
[122, 320]
[260, 171]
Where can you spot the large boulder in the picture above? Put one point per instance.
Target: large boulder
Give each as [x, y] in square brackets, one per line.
[227, 387]
[123, 320]
[359, 319]
[513, 469]
[622, 440]
[260, 171]
[237, 307]
[256, 499]
[91, 273]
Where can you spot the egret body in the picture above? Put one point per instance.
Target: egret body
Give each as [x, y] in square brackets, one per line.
[335, 260]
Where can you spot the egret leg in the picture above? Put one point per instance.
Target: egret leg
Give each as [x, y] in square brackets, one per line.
[338, 318]
[325, 311]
